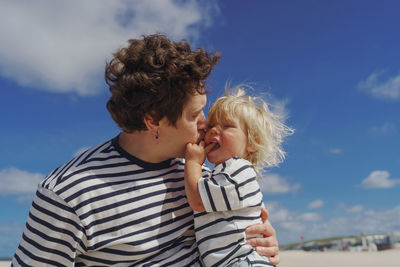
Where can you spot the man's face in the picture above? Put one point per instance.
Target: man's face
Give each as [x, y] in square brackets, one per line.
[189, 128]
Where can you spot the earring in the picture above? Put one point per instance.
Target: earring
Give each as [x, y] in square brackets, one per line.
[157, 134]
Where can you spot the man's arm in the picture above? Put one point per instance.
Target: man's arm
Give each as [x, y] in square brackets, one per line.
[268, 245]
[53, 233]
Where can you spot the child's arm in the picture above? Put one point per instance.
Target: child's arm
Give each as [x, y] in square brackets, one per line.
[195, 156]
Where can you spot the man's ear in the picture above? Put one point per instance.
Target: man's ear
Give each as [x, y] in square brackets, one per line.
[151, 124]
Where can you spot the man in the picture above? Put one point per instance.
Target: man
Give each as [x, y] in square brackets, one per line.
[123, 202]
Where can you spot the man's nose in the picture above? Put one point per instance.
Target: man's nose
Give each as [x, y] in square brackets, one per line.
[202, 123]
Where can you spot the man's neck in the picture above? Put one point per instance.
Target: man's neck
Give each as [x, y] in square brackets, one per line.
[142, 145]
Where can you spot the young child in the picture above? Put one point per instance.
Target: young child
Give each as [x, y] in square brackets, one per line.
[243, 137]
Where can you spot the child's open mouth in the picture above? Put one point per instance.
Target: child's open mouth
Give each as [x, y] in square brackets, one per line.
[215, 147]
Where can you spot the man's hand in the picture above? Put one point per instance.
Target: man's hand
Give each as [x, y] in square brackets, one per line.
[268, 245]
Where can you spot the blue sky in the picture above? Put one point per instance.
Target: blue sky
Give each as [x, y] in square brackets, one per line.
[331, 67]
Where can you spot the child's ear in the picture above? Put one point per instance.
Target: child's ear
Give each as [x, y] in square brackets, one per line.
[251, 147]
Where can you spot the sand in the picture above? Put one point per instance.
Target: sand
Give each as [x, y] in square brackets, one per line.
[387, 258]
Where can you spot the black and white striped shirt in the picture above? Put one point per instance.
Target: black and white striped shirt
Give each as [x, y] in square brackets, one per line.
[232, 199]
[106, 207]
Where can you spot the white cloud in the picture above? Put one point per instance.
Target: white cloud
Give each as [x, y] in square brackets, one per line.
[309, 217]
[379, 179]
[290, 224]
[274, 184]
[378, 87]
[336, 151]
[355, 209]
[316, 204]
[385, 128]
[278, 213]
[18, 182]
[350, 209]
[62, 46]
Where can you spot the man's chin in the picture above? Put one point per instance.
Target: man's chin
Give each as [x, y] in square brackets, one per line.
[200, 137]
[180, 154]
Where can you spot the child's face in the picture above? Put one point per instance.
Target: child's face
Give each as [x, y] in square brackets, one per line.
[230, 138]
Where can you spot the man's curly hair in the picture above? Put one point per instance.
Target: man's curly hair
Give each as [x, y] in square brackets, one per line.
[155, 77]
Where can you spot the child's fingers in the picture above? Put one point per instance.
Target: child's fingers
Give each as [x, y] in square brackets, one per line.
[189, 146]
[209, 147]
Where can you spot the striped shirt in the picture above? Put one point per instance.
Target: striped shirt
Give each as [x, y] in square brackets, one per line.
[232, 199]
[106, 207]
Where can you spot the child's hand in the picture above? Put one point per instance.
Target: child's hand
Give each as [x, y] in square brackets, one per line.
[197, 153]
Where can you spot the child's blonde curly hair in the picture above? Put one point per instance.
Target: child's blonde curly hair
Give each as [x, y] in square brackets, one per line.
[265, 130]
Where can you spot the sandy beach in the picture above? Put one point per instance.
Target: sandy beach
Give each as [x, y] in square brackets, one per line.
[388, 258]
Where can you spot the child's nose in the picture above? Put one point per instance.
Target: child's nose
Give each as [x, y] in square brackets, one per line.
[214, 130]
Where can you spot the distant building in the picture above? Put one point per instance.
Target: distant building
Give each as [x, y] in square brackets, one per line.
[363, 242]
